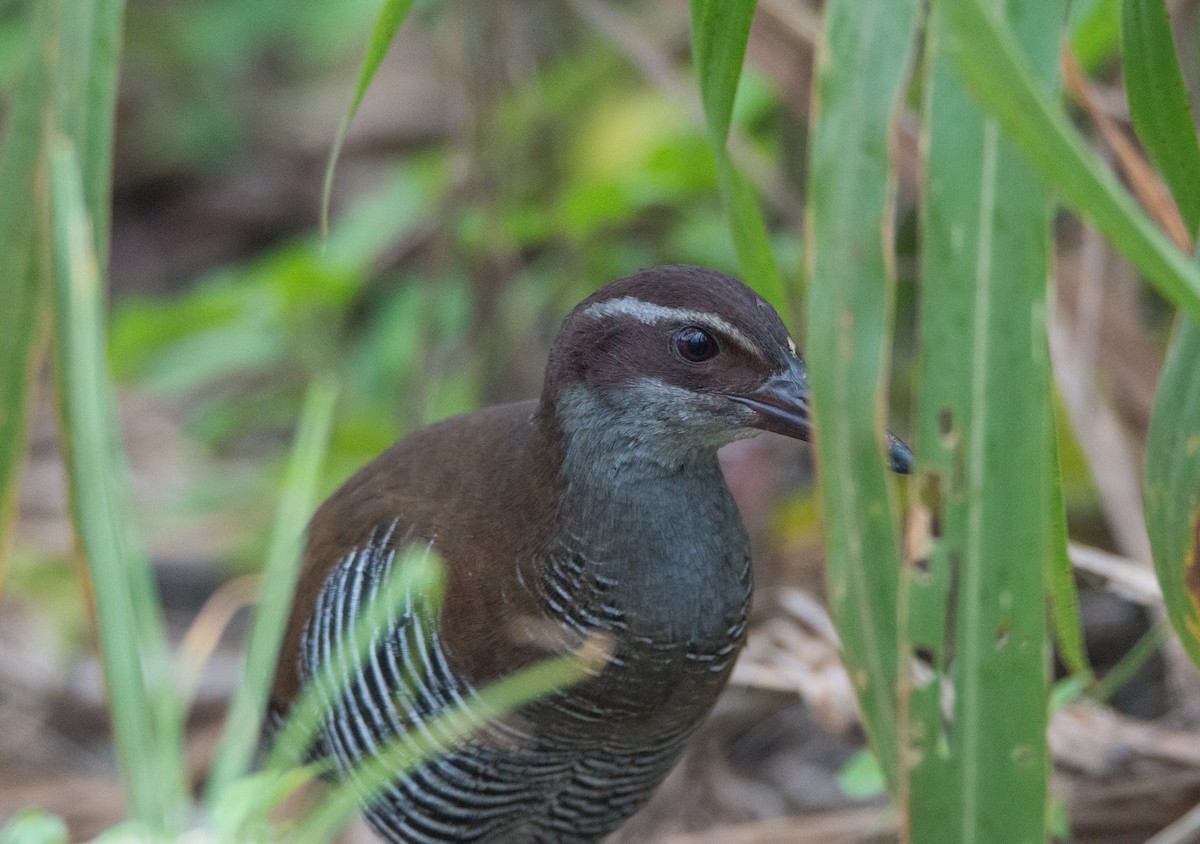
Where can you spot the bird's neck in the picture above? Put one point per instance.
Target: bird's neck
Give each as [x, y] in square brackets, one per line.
[646, 512]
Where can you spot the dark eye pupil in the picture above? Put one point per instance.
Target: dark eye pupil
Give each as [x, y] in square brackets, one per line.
[695, 344]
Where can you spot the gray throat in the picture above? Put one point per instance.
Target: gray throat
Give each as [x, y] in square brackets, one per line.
[646, 512]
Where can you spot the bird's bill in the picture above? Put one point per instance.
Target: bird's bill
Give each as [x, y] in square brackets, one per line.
[780, 404]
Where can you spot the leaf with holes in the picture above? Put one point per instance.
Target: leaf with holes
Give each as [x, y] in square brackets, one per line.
[973, 593]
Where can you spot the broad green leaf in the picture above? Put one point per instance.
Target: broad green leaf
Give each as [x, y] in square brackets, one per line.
[387, 24]
[1158, 102]
[862, 72]
[991, 65]
[975, 592]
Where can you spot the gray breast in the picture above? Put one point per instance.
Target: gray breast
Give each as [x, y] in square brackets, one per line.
[665, 670]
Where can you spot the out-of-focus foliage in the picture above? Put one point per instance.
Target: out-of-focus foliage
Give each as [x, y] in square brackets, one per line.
[1158, 102]
[204, 63]
[621, 178]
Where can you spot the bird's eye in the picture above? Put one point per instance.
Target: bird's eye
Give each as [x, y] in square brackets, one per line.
[695, 344]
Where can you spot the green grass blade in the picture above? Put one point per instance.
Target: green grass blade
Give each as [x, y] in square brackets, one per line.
[277, 585]
[862, 75]
[387, 24]
[84, 96]
[994, 71]
[145, 716]
[23, 293]
[984, 445]
[1060, 577]
[1130, 665]
[95, 143]
[1158, 102]
[1172, 488]
[720, 29]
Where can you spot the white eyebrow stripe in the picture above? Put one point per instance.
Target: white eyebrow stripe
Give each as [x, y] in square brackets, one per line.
[650, 313]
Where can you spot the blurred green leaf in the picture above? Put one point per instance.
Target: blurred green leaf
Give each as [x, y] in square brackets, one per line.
[237, 812]
[720, 29]
[861, 777]
[1172, 492]
[1066, 691]
[1094, 28]
[273, 318]
[631, 154]
[1158, 102]
[415, 572]
[21, 318]
[719, 34]
[1131, 664]
[1162, 118]
[451, 726]
[1060, 573]
[33, 827]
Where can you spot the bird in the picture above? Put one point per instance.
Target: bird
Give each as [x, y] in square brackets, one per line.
[597, 509]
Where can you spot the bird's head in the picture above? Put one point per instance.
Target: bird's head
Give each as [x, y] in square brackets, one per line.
[677, 361]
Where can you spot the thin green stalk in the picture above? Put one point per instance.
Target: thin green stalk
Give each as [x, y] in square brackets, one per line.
[276, 587]
[720, 29]
[1131, 663]
[387, 24]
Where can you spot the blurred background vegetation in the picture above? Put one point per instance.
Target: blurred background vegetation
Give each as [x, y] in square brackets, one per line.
[509, 158]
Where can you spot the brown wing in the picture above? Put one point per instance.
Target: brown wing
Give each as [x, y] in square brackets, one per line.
[456, 485]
